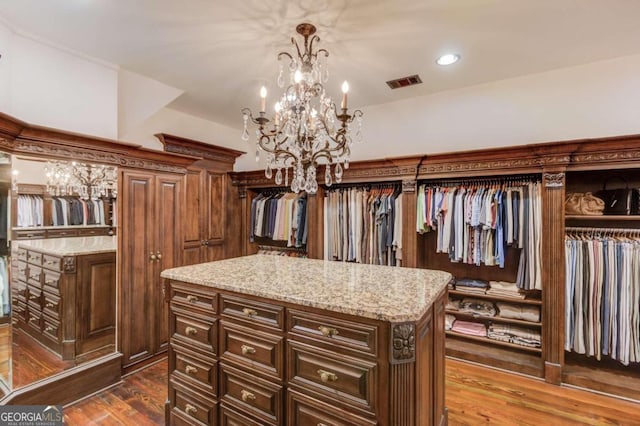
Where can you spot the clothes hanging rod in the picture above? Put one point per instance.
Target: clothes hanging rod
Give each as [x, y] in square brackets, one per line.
[528, 178]
[605, 231]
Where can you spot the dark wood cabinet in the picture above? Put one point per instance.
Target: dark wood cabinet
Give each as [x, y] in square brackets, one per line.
[151, 227]
[205, 216]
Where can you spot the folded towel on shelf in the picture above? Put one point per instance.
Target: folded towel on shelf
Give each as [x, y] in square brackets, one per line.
[517, 335]
[470, 282]
[520, 312]
[479, 307]
[448, 321]
[505, 289]
[470, 328]
[471, 290]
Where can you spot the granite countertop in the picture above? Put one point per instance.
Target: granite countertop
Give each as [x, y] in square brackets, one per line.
[71, 246]
[379, 292]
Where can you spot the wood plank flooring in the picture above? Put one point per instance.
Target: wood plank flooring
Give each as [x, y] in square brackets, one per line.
[474, 395]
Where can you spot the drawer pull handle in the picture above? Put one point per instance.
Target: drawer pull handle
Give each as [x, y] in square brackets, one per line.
[327, 376]
[33, 296]
[50, 305]
[190, 369]
[192, 299]
[247, 396]
[247, 350]
[328, 331]
[190, 409]
[34, 319]
[49, 262]
[249, 312]
[49, 329]
[190, 331]
[49, 282]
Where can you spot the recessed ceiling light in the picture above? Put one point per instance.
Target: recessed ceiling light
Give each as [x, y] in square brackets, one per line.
[448, 59]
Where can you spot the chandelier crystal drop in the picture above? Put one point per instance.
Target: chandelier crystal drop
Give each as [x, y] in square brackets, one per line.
[307, 130]
[88, 181]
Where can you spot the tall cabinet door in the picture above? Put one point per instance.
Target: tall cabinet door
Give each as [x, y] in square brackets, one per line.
[214, 226]
[168, 246]
[194, 215]
[137, 299]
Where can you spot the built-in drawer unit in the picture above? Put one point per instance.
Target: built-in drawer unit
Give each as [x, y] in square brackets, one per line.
[302, 410]
[22, 254]
[34, 297]
[258, 351]
[252, 312]
[343, 378]
[338, 333]
[50, 262]
[196, 371]
[190, 296]
[191, 408]
[34, 275]
[230, 417]
[195, 331]
[51, 328]
[31, 234]
[59, 233]
[51, 281]
[22, 271]
[250, 394]
[34, 258]
[52, 305]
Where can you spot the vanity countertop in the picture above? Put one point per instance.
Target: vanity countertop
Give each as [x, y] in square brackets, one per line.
[379, 292]
[71, 246]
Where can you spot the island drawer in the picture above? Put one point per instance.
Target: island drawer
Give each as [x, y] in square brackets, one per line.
[20, 310]
[52, 281]
[194, 297]
[52, 306]
[252, 311]
[191, 408]
[351, 380]
[34, 297]
[34, 258]
[333, 331]
[34, 319]
[22, 254]
[34, 275]
[230, 417]
[19, 292]
[51, 328]
[258, 351]
[52, 262]
[195, 371]
[250, 394]
[22, 271]
[194, 332]
[307, 411]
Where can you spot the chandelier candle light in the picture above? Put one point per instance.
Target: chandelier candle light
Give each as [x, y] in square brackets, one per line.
[308, 130]
[88, 181]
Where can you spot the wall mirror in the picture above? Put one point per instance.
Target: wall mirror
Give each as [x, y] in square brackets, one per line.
[57, 267]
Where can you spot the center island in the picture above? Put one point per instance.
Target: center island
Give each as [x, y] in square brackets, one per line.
[275, 340]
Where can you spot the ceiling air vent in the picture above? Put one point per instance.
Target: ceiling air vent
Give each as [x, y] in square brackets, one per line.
[404, 81]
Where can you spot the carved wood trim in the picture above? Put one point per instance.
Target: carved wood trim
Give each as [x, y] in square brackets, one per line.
[403, 343]
[402, 398]
[409, 186]
[553, 180]
[69, 264]
[180, 145]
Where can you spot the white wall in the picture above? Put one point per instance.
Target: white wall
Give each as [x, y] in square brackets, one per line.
[593, 100]
[5, 67]
[178, 123]
[57, 88]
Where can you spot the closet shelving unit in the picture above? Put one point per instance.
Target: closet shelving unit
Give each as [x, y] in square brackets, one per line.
[48, 230]
[573, 163]
[606, 375]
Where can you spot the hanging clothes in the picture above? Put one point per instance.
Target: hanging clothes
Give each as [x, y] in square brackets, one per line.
[476, 223]
[602, 296]
[30, 211]
[67, 211]
[280, 217]
[363, 225]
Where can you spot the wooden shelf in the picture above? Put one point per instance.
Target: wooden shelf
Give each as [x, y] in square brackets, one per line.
[477, 318]
[496, 356]
[612, 218]
[494, 342]
[528, 301]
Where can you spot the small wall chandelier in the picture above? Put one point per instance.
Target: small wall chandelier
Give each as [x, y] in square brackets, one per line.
[88, 181]
[308, 129]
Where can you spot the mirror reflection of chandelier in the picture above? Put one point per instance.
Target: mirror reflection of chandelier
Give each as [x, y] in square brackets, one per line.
[89, 181]
[308, 129]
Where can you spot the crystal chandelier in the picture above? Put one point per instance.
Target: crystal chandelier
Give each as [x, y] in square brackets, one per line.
[89, 181]
[308, 129]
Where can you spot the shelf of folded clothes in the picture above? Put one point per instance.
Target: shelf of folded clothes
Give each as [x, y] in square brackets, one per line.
[493, 341]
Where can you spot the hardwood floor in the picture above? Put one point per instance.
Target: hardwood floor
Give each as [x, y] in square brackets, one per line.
[474, 395]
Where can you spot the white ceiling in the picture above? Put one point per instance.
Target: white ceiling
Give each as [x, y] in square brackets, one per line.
[221, 51]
